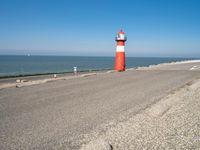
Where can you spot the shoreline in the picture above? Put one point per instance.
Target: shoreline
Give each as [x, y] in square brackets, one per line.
[49, 73]
[96, 70]
[27, 80]
[40, 79]
[16, 75]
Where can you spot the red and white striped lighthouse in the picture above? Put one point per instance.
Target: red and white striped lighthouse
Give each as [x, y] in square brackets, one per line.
[120, 64]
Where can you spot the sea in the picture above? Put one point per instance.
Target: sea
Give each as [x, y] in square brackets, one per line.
[14, 65]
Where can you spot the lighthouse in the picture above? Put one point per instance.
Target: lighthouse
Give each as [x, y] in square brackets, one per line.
[120, 64]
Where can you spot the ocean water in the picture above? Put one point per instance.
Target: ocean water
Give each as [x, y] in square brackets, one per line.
[28, 65]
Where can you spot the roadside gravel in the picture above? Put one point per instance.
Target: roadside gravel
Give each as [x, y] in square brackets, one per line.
[172, 123]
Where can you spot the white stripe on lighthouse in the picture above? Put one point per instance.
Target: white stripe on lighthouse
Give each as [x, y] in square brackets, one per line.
[120, 48]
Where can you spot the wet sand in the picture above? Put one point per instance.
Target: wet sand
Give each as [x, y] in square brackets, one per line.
[65, 114]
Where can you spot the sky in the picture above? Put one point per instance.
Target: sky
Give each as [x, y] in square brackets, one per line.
[154, 28]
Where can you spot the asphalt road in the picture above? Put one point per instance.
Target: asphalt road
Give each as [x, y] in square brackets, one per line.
[57, 115]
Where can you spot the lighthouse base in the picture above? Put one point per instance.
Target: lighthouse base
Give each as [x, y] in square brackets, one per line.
[120, 64]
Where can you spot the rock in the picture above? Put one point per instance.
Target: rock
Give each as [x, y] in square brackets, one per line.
[18, 86]
[18, 81]
[24, 80]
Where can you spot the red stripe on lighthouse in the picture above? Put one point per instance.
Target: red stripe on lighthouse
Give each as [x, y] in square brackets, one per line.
[120, 43]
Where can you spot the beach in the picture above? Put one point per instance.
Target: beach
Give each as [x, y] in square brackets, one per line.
[155, 107]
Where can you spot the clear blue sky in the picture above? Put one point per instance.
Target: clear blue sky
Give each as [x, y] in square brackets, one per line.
[87, 27]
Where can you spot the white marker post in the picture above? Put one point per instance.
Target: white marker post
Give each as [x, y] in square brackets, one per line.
[75, 71]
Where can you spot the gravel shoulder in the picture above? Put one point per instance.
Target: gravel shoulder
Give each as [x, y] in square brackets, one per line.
[172, 123]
